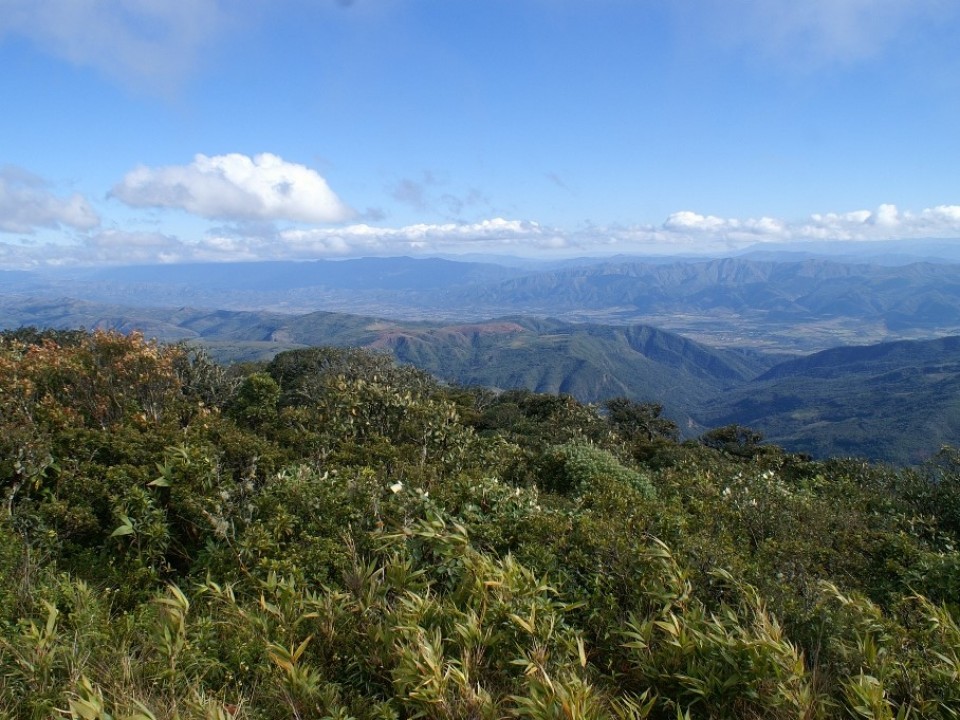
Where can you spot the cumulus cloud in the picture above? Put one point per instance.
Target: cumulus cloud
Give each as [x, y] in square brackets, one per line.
[687, 231]
[236, 187]
[27, 204]
[731, 232]
[686, 220]
[682, 232]
[134, 40]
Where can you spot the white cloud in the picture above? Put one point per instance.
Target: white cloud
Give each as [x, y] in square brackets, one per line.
[236, 187]
[688, 231]
[26, 205]
[684, 232]
[686, 220]
[887, 216]
[507, 235]
[497, 234]
[134, 40]
[887, 222]
[730, 231]
[948, 215]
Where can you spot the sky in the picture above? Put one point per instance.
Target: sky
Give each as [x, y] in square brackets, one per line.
[143, 131]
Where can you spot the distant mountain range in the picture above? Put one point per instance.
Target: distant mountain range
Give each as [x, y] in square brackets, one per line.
[788, 306]
[780, 341]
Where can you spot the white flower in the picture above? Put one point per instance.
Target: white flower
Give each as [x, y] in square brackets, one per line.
[397, 487]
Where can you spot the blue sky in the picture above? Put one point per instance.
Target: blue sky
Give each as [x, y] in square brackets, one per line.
[175, 130]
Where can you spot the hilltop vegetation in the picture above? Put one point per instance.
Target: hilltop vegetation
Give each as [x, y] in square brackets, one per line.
[591, 362]
[698, 336]
[331, 535]
[895, 402]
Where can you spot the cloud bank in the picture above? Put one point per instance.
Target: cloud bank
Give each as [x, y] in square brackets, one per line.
[885, 223]
[236, 187]
[27, 205]
[683, 232]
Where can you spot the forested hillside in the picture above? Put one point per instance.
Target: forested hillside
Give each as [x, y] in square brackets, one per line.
[896, 401]
[331, 535]
[591, 362]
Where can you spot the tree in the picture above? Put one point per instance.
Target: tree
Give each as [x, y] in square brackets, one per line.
[307, 375]
[643, 421]
[256, 401]
[736, 440]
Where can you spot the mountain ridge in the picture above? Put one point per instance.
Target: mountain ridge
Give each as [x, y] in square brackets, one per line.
[798, 305]
[787, 347]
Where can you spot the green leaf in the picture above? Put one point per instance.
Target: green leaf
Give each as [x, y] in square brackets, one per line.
[123, 530]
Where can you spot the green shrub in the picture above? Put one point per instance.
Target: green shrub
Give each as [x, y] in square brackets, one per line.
[578, 468]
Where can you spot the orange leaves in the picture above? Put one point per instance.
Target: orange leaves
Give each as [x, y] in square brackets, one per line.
[100, 380]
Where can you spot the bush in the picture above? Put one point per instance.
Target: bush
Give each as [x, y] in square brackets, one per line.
[577, 468]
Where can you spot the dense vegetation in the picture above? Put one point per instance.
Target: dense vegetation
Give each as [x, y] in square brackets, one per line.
[894, 402]
[331, 535]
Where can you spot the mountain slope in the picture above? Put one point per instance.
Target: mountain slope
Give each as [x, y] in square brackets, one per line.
[808, 288]
[895, 401]
[898, 402]
[592, 362]
[796, 306]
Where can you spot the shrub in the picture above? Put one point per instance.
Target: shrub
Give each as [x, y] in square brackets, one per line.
[577, 468]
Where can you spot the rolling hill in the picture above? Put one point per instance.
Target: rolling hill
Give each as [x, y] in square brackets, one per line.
[897, 401]
[793, 305]
[591, 362]
[786, 346]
